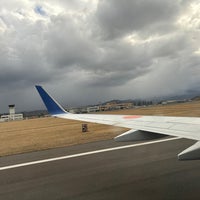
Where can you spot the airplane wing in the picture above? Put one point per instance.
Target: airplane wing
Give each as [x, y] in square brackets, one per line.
[141, 127]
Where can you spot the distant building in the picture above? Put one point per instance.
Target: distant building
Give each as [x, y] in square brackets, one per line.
[104, 107]
[174, 101]
[116, 106]
[93, 109]
[78, 110]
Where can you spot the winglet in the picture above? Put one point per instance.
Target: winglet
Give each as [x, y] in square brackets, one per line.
[53, 107]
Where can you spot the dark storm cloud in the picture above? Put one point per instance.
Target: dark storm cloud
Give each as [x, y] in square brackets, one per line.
[98, 58]
[90, 51]
[117, 18]
[65, 44]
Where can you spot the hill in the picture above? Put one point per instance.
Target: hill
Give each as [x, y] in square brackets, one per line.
[197, 98]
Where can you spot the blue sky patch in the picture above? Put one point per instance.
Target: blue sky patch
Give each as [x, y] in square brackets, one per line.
[39, 10]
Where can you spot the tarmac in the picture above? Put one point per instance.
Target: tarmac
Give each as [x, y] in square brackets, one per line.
[147, 171]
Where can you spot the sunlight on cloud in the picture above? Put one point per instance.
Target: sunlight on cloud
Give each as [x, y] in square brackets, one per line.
[2, 25]
[135, 39]
[191, 18]
[197, 52]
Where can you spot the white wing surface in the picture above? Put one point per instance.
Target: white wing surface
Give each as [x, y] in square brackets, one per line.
[141, 127]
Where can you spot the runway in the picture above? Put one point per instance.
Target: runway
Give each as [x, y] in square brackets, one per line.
[149, 171]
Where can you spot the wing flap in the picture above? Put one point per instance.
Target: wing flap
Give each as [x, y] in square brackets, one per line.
[136, 135]
[191, 153]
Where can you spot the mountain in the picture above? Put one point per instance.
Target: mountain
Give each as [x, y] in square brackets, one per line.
[197, 98]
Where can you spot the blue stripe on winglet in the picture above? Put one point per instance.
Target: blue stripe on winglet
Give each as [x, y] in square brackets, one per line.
[52, 106]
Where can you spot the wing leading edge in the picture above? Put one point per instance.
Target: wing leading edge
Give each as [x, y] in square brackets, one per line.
[142, 127]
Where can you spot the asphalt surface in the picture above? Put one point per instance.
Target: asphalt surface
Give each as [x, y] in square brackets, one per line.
[144, 172]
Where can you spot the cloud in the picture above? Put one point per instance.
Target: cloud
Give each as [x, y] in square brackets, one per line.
[90, 51]
[117, 18]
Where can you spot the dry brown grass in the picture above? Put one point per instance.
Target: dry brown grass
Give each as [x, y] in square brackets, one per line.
[44, 133]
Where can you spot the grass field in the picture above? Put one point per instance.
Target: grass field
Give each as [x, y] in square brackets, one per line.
[45, 133]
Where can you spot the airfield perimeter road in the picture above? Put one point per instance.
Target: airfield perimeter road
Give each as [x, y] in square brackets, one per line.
[144, 172]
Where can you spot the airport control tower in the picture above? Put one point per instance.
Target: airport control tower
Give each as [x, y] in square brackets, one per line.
[11, 109]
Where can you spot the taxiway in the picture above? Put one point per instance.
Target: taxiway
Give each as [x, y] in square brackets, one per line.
[149, 171]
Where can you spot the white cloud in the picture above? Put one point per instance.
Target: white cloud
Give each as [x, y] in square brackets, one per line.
[96, 50]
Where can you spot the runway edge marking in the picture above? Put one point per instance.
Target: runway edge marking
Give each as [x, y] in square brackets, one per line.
[84, 154]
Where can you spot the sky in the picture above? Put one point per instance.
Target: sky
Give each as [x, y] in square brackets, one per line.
[90, 51]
